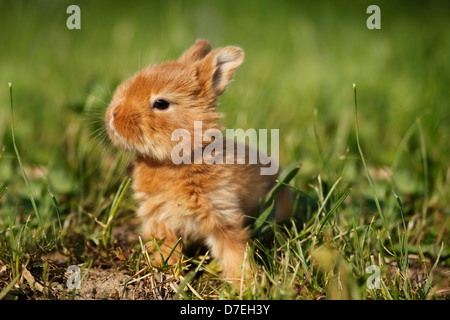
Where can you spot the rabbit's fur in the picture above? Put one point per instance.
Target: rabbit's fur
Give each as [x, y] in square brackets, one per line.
[205, 202]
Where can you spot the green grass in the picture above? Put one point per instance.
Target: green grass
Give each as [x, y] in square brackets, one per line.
[369, 172]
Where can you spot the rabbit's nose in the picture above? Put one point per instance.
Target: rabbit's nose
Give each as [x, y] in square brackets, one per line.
[115, 113]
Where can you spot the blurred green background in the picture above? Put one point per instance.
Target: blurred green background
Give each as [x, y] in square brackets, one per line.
[301, 60]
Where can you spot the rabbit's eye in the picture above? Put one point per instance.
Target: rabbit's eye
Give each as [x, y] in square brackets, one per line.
[161, 104]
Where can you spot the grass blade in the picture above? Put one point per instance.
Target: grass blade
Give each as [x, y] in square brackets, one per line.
[166, 262]
[405, 235]
[27, 183]
[336, 206]
[3, 191]
[325, 201]
[263, 216]
[9, 287]
[423, 150]
[279, 186]
[369, 178]
[188, 278]
[58, 213]
[114, 207]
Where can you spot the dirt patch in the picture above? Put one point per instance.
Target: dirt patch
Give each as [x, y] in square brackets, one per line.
[96, 283]
[111, 284]
[101, 284]
[417, 275]
[114, 278]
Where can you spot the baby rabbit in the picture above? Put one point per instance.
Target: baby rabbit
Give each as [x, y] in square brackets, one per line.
[202, 202]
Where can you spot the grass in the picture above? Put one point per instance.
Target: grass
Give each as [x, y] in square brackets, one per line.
[369, 173]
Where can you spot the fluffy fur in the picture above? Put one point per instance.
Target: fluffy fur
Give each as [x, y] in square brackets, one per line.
[194, 201]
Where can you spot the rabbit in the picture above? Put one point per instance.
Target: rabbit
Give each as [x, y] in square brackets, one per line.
[201, 202]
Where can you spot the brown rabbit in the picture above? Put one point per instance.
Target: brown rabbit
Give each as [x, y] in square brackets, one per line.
[204, 202]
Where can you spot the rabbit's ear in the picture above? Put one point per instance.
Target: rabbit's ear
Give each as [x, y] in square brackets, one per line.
[216, 70]
[197, 52]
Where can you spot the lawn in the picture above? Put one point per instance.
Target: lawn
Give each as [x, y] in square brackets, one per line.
[368, 166]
